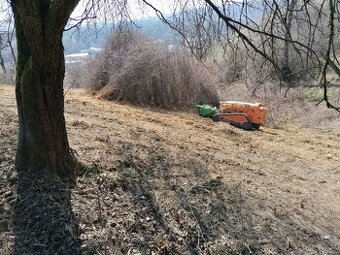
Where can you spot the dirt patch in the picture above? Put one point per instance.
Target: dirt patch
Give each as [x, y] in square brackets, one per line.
[173, 183]
[150, 205]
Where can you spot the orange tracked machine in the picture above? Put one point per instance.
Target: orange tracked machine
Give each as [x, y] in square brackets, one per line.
[244, 115]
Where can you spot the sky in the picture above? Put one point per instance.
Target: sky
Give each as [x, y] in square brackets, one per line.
[136, 9]
[139, 10]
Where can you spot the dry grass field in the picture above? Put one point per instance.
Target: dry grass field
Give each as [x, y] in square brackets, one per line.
[158, 182]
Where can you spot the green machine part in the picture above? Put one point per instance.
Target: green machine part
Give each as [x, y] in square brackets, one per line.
[206, 110]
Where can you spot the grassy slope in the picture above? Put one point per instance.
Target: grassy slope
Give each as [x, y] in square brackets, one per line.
[174, 183]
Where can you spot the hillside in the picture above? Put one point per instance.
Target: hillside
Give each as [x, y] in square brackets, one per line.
[156, 182]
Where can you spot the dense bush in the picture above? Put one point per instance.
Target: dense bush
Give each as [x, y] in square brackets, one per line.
[134, 69]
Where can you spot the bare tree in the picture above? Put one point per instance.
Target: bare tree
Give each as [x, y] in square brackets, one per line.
[2, 62]
[10, 35]
[275, 30]
[287, 22]
[6, 33]
[43, 142]
[7, 53]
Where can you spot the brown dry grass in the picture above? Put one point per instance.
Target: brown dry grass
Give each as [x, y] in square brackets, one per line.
[175, 183]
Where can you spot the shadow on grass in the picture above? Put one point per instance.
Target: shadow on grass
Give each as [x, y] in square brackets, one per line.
[43, 220]
[194, 217]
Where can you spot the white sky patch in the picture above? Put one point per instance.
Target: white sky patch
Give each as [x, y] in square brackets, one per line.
[136, 9]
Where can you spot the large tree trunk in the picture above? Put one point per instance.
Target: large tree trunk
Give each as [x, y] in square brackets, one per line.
[43, 143]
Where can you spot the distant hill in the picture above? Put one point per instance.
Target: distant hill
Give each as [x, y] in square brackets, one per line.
[86, 37]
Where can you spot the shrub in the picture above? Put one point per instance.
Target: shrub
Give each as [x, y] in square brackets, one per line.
[134, 69]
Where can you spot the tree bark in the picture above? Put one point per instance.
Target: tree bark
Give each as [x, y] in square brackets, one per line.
[43, 143]
[286, 68]
[2, 62]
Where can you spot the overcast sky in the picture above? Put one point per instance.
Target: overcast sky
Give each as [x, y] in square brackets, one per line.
[136, 9]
